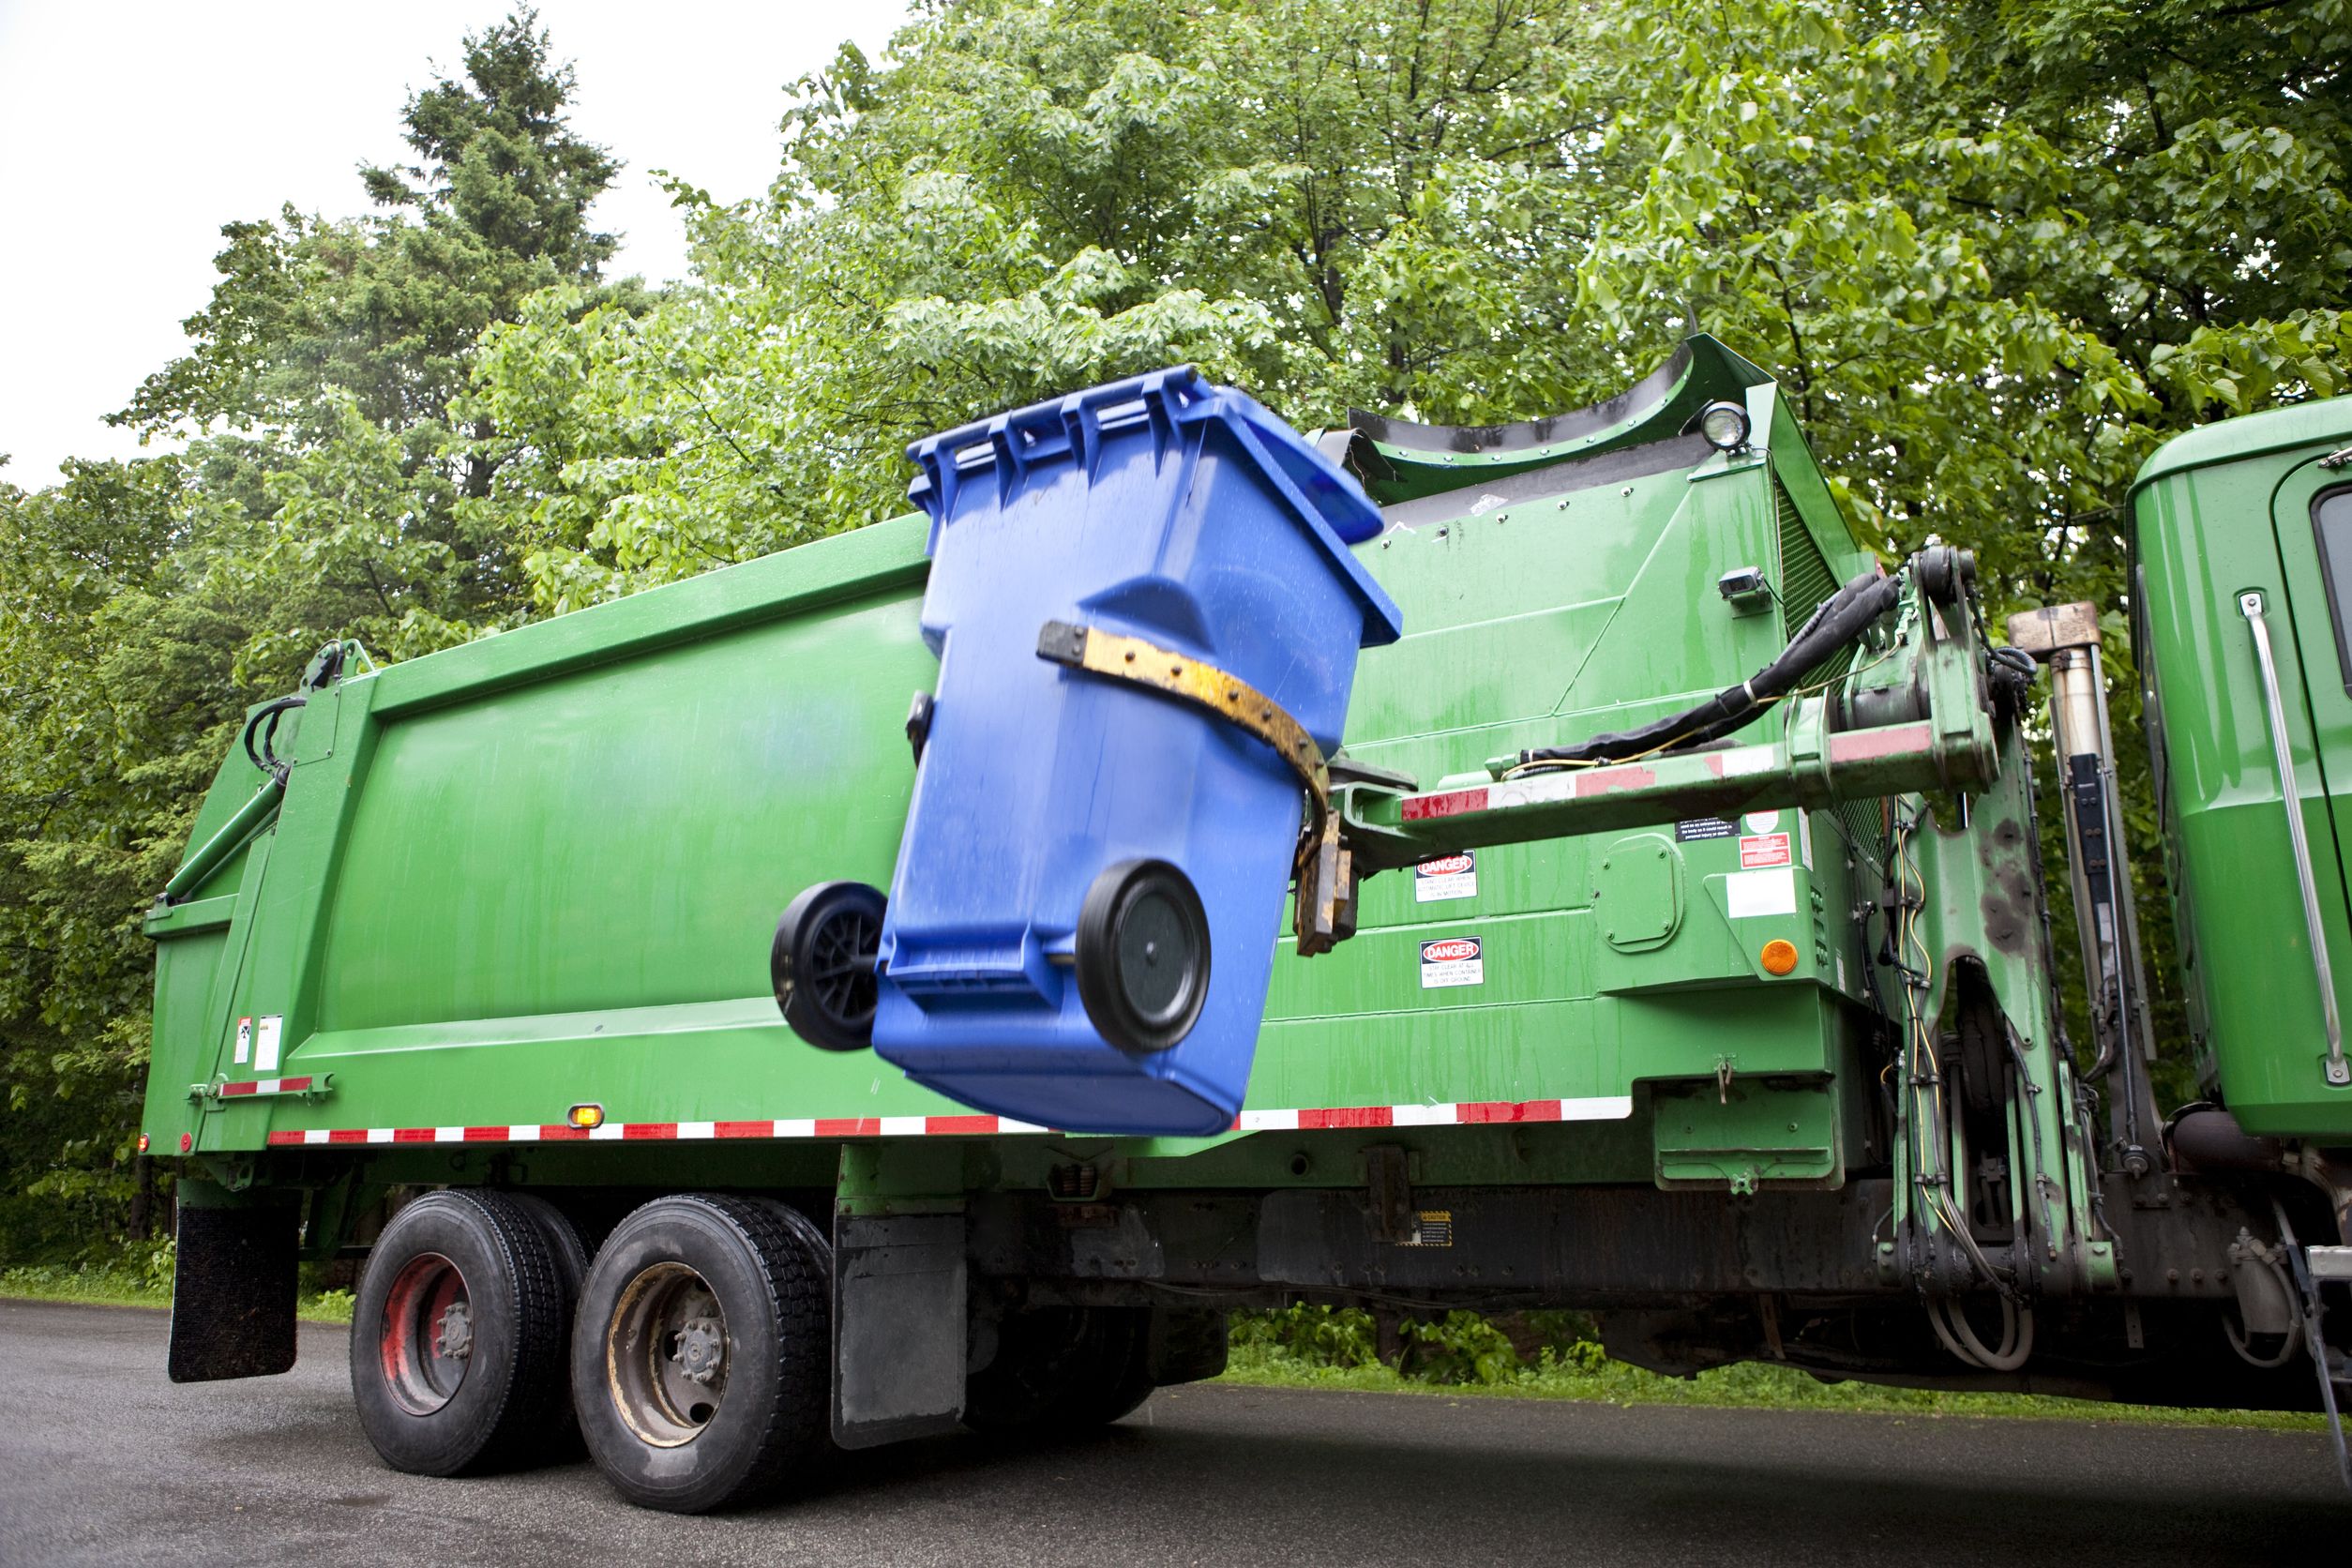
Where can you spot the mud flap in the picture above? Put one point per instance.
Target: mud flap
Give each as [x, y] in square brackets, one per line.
[1186, 1344]
[232, 1290]
[900, 1312]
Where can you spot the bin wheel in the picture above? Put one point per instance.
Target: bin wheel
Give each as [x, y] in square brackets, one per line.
[1061, 1369]
[458, 1337]
[822, 964]
[1143, 954]
[702, 1369]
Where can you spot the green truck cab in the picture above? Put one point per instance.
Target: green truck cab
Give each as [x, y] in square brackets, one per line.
[2242, 542]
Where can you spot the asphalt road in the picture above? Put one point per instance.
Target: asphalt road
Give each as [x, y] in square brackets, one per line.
[103, 1461]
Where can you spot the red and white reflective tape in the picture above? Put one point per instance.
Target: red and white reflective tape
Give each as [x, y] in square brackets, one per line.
[264, 1086]
[656, 1132]
[1465, 1113]
[1602, 1108]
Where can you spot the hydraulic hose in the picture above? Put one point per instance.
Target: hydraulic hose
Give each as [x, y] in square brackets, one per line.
[1952, 1326]
[267, 757]
[1841, 618]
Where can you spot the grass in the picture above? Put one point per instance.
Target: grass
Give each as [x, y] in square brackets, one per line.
[128, 1285]
[1749, 1385]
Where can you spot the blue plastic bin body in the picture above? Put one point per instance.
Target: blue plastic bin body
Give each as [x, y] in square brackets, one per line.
[1166, 508]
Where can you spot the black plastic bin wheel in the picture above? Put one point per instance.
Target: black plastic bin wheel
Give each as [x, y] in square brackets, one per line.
[458, 1344]
[702, 1362]
[822, 964]
[1143, 955]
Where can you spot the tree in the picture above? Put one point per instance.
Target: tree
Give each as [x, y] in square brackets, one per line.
[144, 605]
[386, 310]
[1331, 205]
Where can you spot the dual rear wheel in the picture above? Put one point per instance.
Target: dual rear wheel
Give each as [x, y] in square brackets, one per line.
[702, 1368]
[459, 1334]
[693, 1357]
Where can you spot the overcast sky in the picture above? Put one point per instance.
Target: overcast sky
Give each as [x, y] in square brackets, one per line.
[131, 130]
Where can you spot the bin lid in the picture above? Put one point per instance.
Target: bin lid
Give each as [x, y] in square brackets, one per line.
[1327, 500]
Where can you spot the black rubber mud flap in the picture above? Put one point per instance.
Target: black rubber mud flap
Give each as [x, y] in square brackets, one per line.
[900, 1318]
[1186, 1345]
[232, 1292]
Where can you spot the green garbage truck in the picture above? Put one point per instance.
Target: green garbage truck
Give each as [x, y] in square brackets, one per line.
[1667, 939]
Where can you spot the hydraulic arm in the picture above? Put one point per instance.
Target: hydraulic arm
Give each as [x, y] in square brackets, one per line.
[1995, 1163]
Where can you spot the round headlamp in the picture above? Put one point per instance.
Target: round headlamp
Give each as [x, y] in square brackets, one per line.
[1725, 426]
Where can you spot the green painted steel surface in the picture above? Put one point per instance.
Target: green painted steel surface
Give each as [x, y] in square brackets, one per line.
[2216, 513]
[544, 868]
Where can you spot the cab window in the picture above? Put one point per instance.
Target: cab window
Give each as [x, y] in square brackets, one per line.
[2332, 520]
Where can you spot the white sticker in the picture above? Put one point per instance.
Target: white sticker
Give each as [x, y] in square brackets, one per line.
[1451, 876]
[1760, 850]
[1804, 839]
[1748, 894]
[265, 1045]
[1762, 822]
[1452, 961]
[245, 1040]
[1841, 972]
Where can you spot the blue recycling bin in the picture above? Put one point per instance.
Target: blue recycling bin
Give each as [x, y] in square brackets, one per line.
[1063, 821]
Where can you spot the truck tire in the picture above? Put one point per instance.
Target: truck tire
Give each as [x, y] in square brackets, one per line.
[1060, 1369]
[569, 1253]
[702, 1365]
[457, 1345]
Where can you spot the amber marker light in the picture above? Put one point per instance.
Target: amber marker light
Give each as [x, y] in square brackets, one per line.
[587, 1117]
[1778, 957]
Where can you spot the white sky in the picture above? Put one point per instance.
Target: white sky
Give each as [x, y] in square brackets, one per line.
[130, 130]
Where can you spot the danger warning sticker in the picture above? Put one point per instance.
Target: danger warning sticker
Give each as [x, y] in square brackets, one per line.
[1452, 961]
[1759, 850]
[1691, 828]
[245, 1040]
[1450, 876]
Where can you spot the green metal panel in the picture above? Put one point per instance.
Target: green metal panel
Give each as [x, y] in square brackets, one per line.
[1588, 605]
[2216, 513]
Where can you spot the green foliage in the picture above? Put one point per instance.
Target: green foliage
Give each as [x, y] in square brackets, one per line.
[1998, 252]
[138, 1274]
[1265, 1355]
[1450, 1348]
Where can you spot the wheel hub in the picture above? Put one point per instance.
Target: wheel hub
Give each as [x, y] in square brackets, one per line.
[666, 1355]
[701, 1351]
[453, 1337]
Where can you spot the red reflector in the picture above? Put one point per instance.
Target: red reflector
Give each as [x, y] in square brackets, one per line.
[142, 1143]
[188, 1141]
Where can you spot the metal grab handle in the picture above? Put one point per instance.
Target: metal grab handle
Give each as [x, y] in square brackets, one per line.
[2250, 605]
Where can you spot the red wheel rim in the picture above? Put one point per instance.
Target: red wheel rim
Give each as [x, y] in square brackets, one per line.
[426, 1338]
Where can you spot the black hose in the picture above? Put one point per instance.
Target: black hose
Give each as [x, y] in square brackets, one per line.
[267, 757]
[1842, 617]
